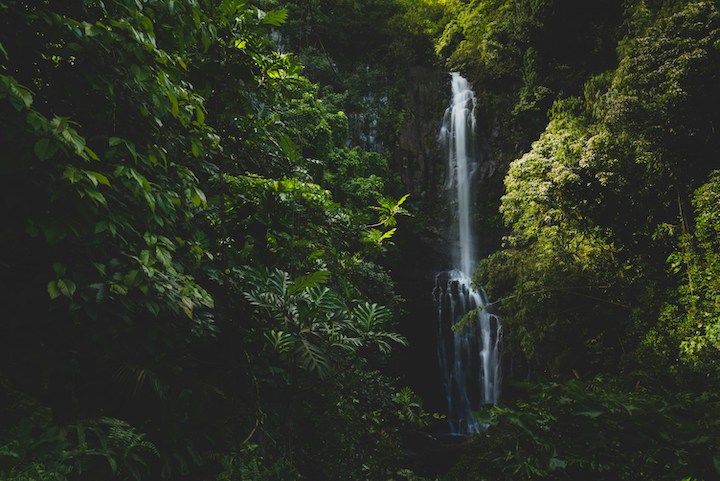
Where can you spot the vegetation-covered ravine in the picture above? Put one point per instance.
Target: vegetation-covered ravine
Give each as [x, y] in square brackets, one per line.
[222, 218]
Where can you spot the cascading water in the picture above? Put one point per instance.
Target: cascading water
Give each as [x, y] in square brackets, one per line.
[469, 358]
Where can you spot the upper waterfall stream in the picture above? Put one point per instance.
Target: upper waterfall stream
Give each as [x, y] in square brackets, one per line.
[469, 358]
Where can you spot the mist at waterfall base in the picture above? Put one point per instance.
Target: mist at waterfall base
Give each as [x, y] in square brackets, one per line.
[468, 357]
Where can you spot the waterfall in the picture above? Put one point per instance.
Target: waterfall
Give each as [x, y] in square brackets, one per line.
[469, 358]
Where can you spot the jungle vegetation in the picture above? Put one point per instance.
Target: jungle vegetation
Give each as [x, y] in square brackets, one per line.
[199, 210]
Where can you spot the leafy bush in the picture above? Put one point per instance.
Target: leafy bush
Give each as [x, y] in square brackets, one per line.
[581, 430]
[95, 448]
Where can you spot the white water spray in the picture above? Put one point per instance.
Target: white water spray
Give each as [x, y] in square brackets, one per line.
[470, 357]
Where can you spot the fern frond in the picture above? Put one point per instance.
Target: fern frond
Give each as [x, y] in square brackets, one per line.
[312, 358]
[311, 280]
[280, 341]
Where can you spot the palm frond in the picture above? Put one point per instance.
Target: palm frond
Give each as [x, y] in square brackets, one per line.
[312, 358]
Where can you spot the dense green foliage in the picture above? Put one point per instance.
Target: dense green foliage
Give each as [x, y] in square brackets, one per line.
[195, 223]
[523, 54]
[603, 199]
[609, 264]
[182, 296]
[586, 431]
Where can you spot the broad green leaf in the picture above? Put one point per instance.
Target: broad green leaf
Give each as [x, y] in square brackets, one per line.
[45, 148]
[311, 280]
[402, 199]
[96, 196]
[187, 305]
[62, 129]
[288, 148]
[20, 97]
[90, 153]
[174, 106]
[163, 256]
[200, 114]
[66, 287]
[198, 198]
[118, 289]
[145, 257]
[97, 178]
[72, 173]
[387, 234]
[53, 290]
[274, 17]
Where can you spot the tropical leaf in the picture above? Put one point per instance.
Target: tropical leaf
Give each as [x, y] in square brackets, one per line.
[324, 298]
[313, 279]
[280, 341]
[263, 299]
[274, 17]
[312, 358]
[279, 282]
[367, 316]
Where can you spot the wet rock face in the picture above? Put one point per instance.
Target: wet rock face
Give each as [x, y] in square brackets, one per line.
[418, 158]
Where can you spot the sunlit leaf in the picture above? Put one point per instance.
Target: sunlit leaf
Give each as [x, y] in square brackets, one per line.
[274, 17]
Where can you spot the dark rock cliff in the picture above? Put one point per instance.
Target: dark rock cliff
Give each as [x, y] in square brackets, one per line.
[417, 157]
